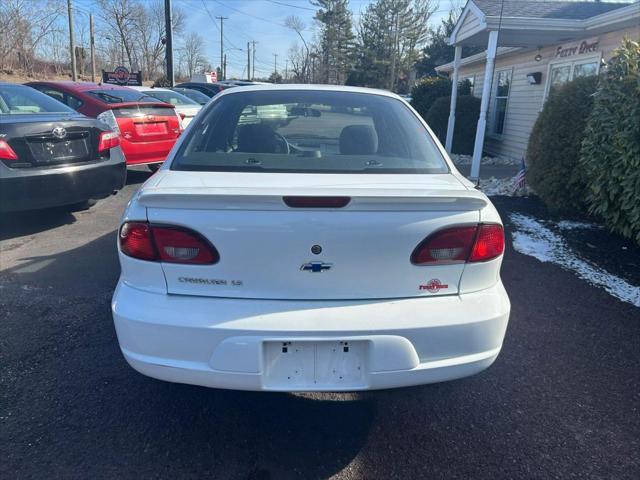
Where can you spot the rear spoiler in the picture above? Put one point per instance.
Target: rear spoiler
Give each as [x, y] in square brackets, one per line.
[140, 104]
[266, 199]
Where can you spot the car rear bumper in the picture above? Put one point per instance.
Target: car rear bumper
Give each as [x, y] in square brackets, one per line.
[27, 189]
[236, 343]
[140, 153]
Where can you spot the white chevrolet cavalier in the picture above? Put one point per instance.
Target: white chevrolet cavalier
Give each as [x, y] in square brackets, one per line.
[309, 238]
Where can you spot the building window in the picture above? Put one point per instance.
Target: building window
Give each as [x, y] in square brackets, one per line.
[503, 85]
[561, 73]
[471, 80]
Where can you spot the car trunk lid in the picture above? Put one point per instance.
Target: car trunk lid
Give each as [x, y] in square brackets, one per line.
[269, 249]
[41, 142]
[147, 123]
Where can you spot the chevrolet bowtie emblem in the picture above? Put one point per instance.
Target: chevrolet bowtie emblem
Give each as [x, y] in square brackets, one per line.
[315, 267]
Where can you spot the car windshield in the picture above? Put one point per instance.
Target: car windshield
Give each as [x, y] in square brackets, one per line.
[121, 96]
[173, 98]
[19, 99]
[310, 132]
[199, 97]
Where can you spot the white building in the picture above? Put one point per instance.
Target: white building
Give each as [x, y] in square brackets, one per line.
[530, 46]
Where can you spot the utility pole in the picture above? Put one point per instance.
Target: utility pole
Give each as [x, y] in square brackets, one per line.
[72, 46]
[224, 67]
[286, 68]
[253, 60]
[275, 63]
[395, 53]
[92, 42]
[222, 72]
[168, 28]
[249, 61]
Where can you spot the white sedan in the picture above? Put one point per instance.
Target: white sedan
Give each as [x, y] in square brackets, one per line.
[185, 107]
[331, 247]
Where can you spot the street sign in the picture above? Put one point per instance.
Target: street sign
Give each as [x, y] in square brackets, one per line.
[122, 76]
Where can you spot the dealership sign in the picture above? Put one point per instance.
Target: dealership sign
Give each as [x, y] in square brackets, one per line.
[122, 76]
[580, 48]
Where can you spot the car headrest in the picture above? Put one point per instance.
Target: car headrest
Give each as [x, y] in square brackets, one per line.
[257, 138]
[358, 140]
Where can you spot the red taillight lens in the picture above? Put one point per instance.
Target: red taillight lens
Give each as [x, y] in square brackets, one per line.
[452, 245]
[460, 244]
[6, 152]
[182, 115]
[166, 244]
[136, 241]
[177, 245]
[489, 243]
[108, 140]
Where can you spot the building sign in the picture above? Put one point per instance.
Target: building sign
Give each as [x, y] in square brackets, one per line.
[122, 76]
[586, 46]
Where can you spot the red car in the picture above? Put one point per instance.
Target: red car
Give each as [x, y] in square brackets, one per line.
[148, 127]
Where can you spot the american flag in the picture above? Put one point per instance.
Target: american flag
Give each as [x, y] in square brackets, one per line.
[520, 180]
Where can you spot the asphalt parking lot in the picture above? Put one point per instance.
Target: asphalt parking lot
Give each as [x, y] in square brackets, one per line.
[561, 401]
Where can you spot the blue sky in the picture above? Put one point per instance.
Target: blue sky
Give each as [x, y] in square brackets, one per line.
[259, 20]
[262, 21]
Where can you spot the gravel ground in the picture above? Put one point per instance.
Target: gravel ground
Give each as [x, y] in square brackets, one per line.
[561, 401]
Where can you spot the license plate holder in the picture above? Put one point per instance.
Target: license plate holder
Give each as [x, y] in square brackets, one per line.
[313, 365]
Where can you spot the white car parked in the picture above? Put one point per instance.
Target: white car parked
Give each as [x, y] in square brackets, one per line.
[185, 107]
[334, 249]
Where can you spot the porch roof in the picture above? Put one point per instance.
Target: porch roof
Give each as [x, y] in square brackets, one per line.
[527, 23]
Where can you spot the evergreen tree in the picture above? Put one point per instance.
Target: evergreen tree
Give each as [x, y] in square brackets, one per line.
[336, 39]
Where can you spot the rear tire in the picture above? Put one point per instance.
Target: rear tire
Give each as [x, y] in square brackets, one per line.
[80, 206]
[154, 167]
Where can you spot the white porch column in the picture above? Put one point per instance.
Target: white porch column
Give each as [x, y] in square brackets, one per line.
[484, 104]
[454, 98]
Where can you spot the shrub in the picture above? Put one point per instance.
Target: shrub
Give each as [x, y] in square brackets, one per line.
[429, 89]
[610, 154]
[464, 133]
[554, 146]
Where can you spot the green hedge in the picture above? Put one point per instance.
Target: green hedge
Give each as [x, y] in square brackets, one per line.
[467, 112]
[610, 155]
[429, 89]
[554, 146]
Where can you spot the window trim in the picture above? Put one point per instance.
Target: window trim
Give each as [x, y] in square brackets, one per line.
[494, 114]
[597, 58]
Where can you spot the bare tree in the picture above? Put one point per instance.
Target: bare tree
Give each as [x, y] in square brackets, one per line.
[192, 53]
[300, 57]
[24, 25]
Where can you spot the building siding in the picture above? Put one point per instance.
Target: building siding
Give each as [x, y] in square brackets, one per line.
[525, 100]
[471, 23]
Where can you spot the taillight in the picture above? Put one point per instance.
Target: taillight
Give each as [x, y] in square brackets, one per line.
[6, 152]
[108, 140]
[180, 124]
[166, 244]
[316, 202]
[109, 118]
[477, 243]
[489, 243]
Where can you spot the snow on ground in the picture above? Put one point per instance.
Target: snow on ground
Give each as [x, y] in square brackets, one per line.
[531, 237]
[460, 159]
[502, 186]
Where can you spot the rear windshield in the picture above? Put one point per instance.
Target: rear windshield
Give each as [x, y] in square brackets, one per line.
[309, 132]
[173, 98]
[120, 96]
[19, 99]
[199, 97]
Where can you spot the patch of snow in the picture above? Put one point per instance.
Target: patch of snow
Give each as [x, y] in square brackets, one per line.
[460, 159]
[571, 225]
[532, 238]
[502, 186]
